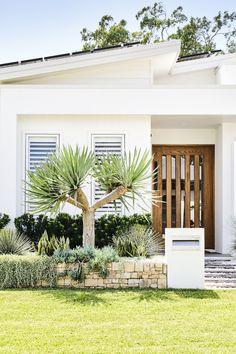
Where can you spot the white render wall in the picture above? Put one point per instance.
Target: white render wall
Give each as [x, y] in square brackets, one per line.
[225, 186]
[77, 130]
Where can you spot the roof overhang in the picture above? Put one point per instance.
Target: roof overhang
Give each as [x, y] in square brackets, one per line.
[203, 64]
[163, 56]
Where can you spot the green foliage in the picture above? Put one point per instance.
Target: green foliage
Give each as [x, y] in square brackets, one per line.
[94, 259]
[4, 220]
[109, 225]
[26, 271]
[156, 24]
[107, 34]
[76, 255]
[77, 274]
[63, 225]
[131, 171]
[58, 179]
[13, 243]
[101, 259]
[47, 246]
[197, 34]
[137, 241]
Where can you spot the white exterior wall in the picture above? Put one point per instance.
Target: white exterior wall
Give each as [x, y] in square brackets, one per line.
[75, 130]
[225, 186]
[226, 74]
[183, 136]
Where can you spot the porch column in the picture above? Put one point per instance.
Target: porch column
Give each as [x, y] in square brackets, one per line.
[225, 198]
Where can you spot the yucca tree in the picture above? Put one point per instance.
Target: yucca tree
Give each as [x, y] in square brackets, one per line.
[63, 177]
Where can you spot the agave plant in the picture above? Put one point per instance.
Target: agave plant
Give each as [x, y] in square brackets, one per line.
[13, 243]
[61, 179]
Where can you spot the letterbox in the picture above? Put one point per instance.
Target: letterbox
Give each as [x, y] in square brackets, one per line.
[185, 258]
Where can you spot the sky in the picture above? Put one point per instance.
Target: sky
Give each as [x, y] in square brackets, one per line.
[37, 28]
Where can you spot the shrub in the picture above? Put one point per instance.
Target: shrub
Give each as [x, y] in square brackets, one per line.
[47, 246]
[26, 271]
[109, 225]
[4, 220]
[32, 226]
[65, 225]
[101, 259]
[13, 243]
[95, 259]
[137, 241]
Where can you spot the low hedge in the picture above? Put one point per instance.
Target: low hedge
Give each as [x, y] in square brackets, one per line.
[72, 227]
[26, 271]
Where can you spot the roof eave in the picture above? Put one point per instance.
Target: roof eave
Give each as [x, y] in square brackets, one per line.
[86, 60]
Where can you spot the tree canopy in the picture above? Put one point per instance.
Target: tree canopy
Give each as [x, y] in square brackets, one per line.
[64, 176]
[155, 24]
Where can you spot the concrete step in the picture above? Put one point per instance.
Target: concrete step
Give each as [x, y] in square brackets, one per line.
[220, 270]
[221, 286]
[220, 280]
[213, 259]
[220, 276]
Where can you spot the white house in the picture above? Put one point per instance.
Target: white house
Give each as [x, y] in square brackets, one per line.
[119, 98]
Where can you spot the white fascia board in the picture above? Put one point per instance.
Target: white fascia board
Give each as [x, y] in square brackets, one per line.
[202, 64]
[90, 59]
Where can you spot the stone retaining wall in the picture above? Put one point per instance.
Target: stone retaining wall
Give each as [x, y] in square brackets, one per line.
[126, 274]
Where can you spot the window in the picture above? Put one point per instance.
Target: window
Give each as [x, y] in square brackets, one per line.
[38, 148]
[103, 144]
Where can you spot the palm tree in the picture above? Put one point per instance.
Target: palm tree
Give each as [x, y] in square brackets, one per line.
[62, 178]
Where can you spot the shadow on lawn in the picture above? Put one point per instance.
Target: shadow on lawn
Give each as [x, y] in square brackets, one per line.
[83, 297]
[173, 295]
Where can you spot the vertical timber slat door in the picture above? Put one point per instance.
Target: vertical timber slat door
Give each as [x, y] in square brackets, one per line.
[196, 191]
[178, 190]
[187, 192]
[157, 211]
[187, 188]
[168, 191]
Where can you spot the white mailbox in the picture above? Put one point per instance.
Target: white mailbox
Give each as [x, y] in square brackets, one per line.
[185, 258]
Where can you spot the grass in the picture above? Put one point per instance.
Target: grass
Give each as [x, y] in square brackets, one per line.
[132, 321]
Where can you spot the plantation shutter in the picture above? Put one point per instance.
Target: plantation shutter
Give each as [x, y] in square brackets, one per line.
[39, 148]
[103, 145]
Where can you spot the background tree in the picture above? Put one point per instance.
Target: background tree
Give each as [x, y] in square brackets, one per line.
[107, 34]
[156, 25]
[63, 177]
[197, 34]
[200, 34]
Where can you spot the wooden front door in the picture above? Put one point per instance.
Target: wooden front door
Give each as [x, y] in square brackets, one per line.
[185, 181]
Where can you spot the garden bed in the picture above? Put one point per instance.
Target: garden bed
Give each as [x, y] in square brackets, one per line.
[136, 273]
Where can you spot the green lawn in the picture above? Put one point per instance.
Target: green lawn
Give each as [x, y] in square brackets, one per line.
[133, 321]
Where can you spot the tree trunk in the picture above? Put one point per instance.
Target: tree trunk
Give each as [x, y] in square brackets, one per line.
[89, 227]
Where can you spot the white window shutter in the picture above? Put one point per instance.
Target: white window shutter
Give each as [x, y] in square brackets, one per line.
[38, 149]
[104, 144]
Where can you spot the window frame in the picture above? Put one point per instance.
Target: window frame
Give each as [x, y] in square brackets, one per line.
[106, 135]
[27, 138]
